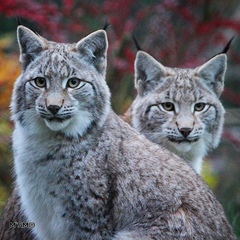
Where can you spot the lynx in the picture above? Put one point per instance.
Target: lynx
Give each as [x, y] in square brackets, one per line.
[83, 173]
[179, 108]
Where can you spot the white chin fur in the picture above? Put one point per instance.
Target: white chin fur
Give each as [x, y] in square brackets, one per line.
[182, 147]
[193, 153]
[57, 126]
[74, 126]
[78, 125]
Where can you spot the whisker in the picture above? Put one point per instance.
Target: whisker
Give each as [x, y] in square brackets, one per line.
[152, 133]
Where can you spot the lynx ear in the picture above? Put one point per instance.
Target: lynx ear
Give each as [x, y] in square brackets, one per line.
[93, 49]
[30, 45]
[148, 72]
[213, 73]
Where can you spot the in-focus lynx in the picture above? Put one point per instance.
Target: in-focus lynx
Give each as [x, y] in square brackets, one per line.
[82, 172]
[179, 108]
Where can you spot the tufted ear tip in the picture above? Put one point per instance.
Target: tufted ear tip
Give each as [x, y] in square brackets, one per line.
[148, 72]
[22, 30]
[143, 59]
[141, 55]
[93, 49]
[136, 42]
[96, 40]
[101, 34]
[215, 66]
[106, 25]
[213, 72]
[30, 45]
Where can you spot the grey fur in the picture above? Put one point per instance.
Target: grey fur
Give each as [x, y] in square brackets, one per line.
[103, 181]
[183, 130]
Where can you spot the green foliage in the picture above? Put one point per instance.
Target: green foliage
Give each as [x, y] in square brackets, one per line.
[233, 212]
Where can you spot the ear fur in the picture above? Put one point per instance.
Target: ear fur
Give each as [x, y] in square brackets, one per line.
[148, 72]
[93, 49]
[213, 72]
[30, 45]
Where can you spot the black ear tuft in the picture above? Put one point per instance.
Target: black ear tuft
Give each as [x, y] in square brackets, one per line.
[148, 73]
[93, 49]
[136, 43]
[30, 45]
[226, 48]
[213, 72]
[106, 25]
[18, 21]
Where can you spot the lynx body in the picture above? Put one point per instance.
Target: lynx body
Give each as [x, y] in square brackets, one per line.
[82, 172]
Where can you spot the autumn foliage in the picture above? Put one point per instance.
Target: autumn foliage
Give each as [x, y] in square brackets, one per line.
[178, 33]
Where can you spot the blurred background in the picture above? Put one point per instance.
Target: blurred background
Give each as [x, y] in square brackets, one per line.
[177, 33]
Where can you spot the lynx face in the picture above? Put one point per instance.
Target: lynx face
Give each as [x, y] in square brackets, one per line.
[179, 108]
[58, 88]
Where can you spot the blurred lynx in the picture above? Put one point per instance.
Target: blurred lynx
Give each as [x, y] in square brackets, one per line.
[82, 172]
[179, 108]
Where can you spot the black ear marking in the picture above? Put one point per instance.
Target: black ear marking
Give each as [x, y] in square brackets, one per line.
[213, 72]
[93, 49]
[30, 45]
[136, 43]
[225, 49]
[148, 73]
[18, 21]
[106, 25]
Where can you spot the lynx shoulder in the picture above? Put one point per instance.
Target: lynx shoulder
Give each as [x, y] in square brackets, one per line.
[85, 174]
[179, 108]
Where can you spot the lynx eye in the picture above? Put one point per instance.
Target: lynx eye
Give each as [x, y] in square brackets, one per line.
[168, 106]
[199, 107]
[40, 82]
[75, 82]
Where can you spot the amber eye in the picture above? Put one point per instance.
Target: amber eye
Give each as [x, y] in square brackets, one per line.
[40, 82]
[168, 106]
[73, 82]
[199, 106]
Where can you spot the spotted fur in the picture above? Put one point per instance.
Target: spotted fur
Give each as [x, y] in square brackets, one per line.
[82, 173]
[180, 108]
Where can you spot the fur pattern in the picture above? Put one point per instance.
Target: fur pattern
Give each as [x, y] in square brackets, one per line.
[103, 180]
[179, 108]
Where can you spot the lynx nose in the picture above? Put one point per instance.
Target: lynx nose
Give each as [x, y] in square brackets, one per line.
[53, 109]
[185, 131]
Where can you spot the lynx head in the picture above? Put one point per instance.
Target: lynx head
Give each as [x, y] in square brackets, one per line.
[179, 108]
[62, 86]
